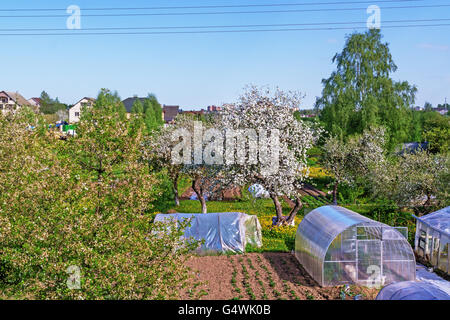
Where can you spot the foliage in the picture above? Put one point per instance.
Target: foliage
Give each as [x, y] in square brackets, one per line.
[85, 204]
[355, 159]
[437, 132]
[361, 92]
[413, 180]
[49, 105]
[152, 113]
[157, 150]
[137, 106]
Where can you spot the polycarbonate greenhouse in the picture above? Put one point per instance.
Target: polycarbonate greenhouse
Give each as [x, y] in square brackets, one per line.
[433, 238]
[338, 246]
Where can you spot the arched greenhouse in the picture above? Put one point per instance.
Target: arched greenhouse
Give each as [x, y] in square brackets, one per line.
[338, 246]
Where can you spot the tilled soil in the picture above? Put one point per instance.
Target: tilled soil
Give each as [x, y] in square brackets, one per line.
[260, 276]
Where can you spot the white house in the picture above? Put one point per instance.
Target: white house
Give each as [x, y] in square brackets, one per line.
[11, 101]
[75, 111]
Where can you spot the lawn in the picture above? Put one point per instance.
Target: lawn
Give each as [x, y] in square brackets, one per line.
[282, 239]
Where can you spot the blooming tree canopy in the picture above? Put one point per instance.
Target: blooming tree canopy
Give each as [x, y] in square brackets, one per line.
[359, 156]
[271, 144]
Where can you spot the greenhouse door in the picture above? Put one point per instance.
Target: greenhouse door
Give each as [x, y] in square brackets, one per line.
[369, 262]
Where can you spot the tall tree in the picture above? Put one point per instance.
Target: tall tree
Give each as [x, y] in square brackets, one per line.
[157, 109]
[137, 106]
[361, 92]
[428, 106]
[49, 105]
[149, 116]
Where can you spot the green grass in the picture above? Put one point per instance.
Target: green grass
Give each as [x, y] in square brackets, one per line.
[283, 239]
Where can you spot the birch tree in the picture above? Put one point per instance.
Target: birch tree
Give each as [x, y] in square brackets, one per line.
[361, 92]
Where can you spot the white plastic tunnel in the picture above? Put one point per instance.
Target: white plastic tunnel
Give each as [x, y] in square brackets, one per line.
[338, 246]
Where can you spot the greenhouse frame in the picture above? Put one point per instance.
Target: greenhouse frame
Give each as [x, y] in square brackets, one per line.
[338, 246]
[432, 238]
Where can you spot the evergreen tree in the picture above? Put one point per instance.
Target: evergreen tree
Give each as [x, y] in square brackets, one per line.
[49, 105]
[149, 115]
[137, 107]
[158, 111]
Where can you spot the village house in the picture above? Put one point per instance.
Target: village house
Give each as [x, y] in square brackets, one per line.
[11, 101]
[76, 109]
[442, 111]
[35, 102]
[212, 109]
[129, 102]
[169, 113]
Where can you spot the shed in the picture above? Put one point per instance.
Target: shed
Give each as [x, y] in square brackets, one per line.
[222, 232]
[412, 290]
[432, 238]
[338, 246]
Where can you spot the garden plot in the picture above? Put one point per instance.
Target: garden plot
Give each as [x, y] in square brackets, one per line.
[262, 276]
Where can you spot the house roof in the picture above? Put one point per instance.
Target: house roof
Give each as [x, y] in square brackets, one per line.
[128, 103]
[85, 98]
[170, 112]
[37, 100]
[18, 98]
[439, 220]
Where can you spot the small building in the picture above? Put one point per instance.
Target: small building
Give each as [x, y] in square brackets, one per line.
[212, 109]
[170, 113]
[194, 112]
[36, 102]
[442, 111]
[11, 101]
[129, 102]
[77, 108]
[338, 246]
[432, 238]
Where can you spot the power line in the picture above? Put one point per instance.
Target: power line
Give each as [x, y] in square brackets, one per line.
[216, 31]
[224, 12]
[213, 6]
[223, 26]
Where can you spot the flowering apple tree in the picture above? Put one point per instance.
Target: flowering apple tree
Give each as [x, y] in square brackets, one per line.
[271, 145]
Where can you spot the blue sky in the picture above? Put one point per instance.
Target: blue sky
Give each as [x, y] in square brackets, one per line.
[197, 70]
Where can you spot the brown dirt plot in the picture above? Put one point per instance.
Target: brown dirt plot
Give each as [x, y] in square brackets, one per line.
[260, 276]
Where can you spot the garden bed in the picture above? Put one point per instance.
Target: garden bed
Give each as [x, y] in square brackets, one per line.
[261, 276]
